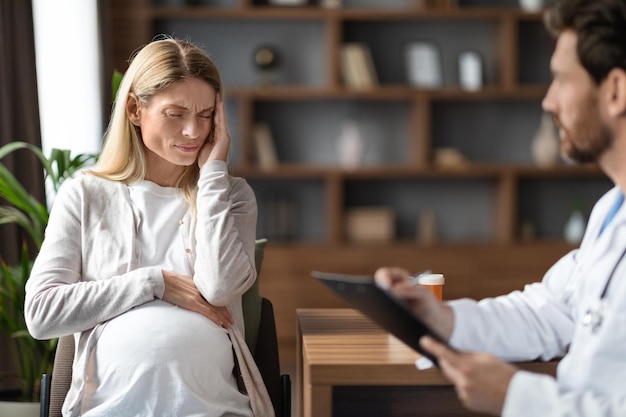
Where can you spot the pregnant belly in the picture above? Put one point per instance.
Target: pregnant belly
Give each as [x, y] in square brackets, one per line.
[161, 357]
[157, 336]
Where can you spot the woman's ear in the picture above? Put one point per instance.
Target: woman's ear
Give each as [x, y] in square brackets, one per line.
[617, 90]
[133, 109]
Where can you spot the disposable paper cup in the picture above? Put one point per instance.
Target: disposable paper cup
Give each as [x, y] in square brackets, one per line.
[434, 282]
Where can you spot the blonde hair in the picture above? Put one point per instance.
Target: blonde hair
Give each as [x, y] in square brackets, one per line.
[153, 68]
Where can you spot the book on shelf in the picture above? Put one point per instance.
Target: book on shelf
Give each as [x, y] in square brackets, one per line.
[357, 66]
[370, 224]
[265, 147]
[278, 216]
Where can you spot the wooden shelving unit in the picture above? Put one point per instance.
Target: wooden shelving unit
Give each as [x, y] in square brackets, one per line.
[482, 206]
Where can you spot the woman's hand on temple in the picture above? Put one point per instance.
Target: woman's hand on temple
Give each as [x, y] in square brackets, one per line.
[218, 147]
[181, 291]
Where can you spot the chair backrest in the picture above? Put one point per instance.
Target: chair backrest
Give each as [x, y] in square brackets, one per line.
[61, 376]
[267, 360]
[251, 299]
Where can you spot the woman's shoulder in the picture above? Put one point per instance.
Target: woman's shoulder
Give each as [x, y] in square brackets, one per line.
[87, 179]
[86, 184]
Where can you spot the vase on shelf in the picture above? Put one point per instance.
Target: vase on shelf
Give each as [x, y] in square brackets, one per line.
[470, 71]
[350, 145]
[546, 147]
[331, 4]
[575, 227]
[531, 5]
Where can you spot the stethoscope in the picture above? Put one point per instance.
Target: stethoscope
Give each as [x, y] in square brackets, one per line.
[594, 316]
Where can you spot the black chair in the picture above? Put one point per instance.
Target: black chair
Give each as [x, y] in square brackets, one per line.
[267, 360]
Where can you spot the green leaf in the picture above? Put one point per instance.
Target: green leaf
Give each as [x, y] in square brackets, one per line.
[116, 80]
[35, 217]
[10, 215]
[12, 191]
[12, 147]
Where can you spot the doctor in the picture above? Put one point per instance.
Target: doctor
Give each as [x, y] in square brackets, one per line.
[578, 311]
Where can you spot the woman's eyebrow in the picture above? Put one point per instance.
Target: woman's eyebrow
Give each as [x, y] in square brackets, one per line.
[178, 106]
[175, 106]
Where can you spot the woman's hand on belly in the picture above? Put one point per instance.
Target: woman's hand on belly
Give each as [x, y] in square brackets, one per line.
[181, 291]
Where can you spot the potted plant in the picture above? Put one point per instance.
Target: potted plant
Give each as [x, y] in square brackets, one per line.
[33, 357]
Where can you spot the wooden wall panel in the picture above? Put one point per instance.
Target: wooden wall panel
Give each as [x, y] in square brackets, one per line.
[474, 271]
[129, 26]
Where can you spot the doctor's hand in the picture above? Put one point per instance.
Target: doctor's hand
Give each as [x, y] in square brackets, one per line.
[438, 316]
[481, 380]
[218, 144]
[181, 291]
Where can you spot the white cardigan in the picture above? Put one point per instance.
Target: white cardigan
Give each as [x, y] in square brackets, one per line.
[86, 272]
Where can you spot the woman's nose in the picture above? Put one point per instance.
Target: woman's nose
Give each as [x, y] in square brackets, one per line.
[191, 128]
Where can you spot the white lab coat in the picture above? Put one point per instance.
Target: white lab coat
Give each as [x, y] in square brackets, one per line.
[544, 322]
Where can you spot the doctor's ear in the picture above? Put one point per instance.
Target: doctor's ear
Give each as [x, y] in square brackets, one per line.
[133, 109]
[617, 90]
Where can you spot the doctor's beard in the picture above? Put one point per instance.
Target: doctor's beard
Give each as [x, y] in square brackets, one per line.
[589, 138]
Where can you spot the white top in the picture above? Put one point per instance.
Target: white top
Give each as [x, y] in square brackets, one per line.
[162, 209]
[546, 321]
[157, 350]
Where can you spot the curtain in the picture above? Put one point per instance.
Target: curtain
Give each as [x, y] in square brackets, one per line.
[106, 60]
[19, 120]
[19, 109]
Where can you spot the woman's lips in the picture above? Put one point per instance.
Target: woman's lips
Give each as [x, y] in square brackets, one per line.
[187, 148]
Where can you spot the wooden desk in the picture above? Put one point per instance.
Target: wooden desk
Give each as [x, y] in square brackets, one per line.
[348, 366]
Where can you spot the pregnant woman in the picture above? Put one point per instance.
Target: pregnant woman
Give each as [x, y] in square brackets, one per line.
[147, 255]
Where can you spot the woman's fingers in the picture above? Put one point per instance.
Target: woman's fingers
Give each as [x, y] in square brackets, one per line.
[218, 147]
[181, 291]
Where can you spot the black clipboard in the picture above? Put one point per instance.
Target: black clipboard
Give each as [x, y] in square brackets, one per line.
[380, 306]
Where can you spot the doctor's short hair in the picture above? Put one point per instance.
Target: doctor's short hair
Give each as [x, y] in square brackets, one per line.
[152, 69]
[601, 29]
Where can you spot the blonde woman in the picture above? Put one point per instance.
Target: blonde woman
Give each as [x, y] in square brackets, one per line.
[146, 257]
